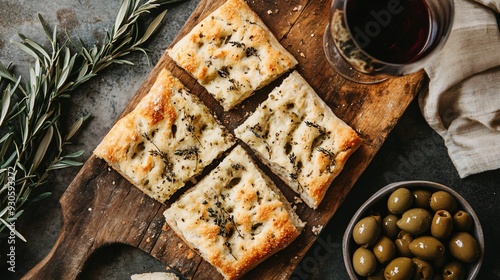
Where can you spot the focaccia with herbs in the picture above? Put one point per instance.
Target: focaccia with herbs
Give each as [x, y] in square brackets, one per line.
[232, 53]
[167, 139]
[299, 137]
[235, 217]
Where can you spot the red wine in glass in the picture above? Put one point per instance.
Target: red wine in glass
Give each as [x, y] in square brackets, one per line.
[370, 40]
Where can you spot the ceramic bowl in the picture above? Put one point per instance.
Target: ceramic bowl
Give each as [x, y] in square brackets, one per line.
[378, 202]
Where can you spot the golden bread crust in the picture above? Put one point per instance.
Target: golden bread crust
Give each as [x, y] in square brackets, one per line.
[166, 140]
[232, 53]
[299, 137]
[235, 217]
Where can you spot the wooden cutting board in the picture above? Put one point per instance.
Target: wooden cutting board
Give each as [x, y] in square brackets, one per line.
[101, 208]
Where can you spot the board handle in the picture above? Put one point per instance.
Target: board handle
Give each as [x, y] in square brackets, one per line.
[78, 238]
[66, 259]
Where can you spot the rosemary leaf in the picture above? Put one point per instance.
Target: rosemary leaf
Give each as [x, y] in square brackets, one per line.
[51, 35]
[36, 48]
[74, 154]
[9, 160]
[75, 127]
[40, 197]
[42, 121]
[66, 70]
[42, 148]
[122, 12]
[8, 225]
[6, 140]
[152, 28]
[27, 50]
[5, 73]
[64, 164]
[7, 94]
[30, 110]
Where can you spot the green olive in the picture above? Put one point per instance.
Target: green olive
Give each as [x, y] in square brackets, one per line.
[384, 250]
[421, 235]
[464, 247]
[364, 262]
[462, 221]
[377, 217]
[441, 261]
[421, 199]
[403, 244]
[399, 201]
[442, 224]
[453, 271]
[427, 248]
[415, 221]
[389, 226]
[400, 268]
[422, 270]
[377, 275]
[442, 200]
[366, 231]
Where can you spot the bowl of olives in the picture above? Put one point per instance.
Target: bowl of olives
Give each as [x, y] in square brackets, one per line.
[414, 230]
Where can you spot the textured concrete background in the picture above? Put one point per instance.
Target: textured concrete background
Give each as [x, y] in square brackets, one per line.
[412, 151]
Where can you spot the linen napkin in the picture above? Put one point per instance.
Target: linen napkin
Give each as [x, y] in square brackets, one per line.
[463, 100]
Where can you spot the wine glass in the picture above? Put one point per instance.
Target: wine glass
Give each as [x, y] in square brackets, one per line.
[368, 41]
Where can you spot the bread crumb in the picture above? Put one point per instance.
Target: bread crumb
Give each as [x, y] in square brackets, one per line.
[164, 228]
[193, 181]
[302, 54]
[180, 245]
[190, 254]
[90, 209]
[317, 229]
[269, 12]
[297, 8]
[148, 240]
[297, 200]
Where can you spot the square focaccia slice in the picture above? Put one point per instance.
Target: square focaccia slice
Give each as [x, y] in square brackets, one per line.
[299, 137]
[235, 217]
[168, 138]
[232, 53]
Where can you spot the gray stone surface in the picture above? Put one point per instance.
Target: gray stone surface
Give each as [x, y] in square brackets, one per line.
[412, 151]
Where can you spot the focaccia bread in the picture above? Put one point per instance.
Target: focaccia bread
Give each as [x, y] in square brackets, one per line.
[232, 53]
[167, 139]
[235, 217]
[299, 137]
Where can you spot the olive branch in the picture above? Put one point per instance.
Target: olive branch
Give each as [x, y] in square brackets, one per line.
[32, 142]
